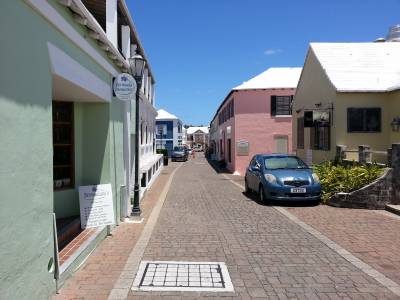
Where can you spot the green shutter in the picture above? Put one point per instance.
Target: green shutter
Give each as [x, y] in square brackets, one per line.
[273, 105]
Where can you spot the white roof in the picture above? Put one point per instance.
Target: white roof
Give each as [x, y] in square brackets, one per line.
[164, 115]
[273, 78]
[360, 67]
[193, 129]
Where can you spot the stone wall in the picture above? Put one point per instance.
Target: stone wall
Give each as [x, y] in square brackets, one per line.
[373, 196]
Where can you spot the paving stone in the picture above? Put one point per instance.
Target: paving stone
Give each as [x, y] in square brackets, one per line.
[371, 236]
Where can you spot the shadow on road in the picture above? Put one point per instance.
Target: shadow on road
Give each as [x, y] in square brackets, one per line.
[217, 168]
[254, 197]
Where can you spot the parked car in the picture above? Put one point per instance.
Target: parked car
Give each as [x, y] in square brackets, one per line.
[282, 177]
[188, 150]
[179, 154]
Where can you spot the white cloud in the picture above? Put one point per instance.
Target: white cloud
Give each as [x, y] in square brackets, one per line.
[272, 51]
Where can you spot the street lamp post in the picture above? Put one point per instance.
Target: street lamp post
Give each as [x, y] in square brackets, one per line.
[137, 64]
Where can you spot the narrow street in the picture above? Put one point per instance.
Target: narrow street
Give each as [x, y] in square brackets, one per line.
[207, 218]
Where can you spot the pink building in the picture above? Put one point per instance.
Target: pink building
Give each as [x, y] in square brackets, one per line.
[255, 117]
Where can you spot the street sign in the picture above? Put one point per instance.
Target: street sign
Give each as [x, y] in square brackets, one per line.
[242, 148]
[124, 87]
[96, 205]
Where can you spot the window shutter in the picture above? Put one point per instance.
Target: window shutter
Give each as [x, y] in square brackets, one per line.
[291, 104]
[273, 105]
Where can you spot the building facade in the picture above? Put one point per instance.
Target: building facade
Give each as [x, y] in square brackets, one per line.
[169, 133]
[65, 129]
[255, 117]
[350, 93]
[196, 137]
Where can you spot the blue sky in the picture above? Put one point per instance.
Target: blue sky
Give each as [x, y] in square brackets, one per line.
[200, 49]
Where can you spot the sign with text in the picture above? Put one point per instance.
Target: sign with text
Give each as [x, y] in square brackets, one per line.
[96, 205]
[124, 87]
[242, 148]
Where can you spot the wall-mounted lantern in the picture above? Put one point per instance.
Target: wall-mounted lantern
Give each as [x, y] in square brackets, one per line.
[395, 124]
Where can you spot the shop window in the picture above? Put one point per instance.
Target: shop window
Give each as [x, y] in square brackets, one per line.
[363, 119]
[63, 145]
[320, 137]
[300, 133]
[281, 105]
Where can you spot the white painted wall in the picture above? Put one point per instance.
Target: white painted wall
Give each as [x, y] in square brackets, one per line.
[111, 22]
[126, 41]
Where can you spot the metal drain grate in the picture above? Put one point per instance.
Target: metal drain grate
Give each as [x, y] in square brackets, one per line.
[183, 276]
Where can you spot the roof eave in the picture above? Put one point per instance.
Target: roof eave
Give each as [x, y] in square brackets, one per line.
[367, 91]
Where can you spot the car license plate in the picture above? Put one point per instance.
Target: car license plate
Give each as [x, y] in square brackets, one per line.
[298, 190]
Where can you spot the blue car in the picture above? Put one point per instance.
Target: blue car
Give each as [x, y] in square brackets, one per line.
[282, 177]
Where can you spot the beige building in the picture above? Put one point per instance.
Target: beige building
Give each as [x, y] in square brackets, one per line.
[348, 94]
[196, 137]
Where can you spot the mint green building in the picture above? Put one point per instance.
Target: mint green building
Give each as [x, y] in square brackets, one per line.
[61, 128]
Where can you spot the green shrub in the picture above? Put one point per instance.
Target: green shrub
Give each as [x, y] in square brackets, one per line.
[162, 151]
[336, 177]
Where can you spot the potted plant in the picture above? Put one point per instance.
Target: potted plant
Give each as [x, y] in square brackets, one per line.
[164, 152]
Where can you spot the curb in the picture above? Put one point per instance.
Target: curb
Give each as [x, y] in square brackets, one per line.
[395, 209]
[124, 283]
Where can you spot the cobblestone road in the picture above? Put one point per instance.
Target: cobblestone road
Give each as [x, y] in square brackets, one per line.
[207, 218]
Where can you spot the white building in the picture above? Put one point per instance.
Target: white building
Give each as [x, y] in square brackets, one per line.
[168, 131]
[150, 163]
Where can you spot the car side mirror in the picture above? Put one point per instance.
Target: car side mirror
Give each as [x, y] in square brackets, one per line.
[256, 168]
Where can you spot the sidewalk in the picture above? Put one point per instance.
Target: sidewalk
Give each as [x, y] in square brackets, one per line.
[99, 273]
[372, 236]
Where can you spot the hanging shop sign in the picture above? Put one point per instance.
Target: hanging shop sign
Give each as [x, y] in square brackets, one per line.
[242, 148]
[312, 117]
[124, 87]
[96, 205]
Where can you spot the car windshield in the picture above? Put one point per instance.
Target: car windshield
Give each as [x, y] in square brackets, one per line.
[287, 162]
[179, 149]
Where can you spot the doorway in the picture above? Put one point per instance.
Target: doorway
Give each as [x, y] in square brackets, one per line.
[281, 144]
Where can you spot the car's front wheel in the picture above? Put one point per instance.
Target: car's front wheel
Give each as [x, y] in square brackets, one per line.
[261, 194]
[246, 187]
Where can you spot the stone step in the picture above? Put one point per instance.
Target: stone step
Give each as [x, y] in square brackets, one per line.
[393, 208]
